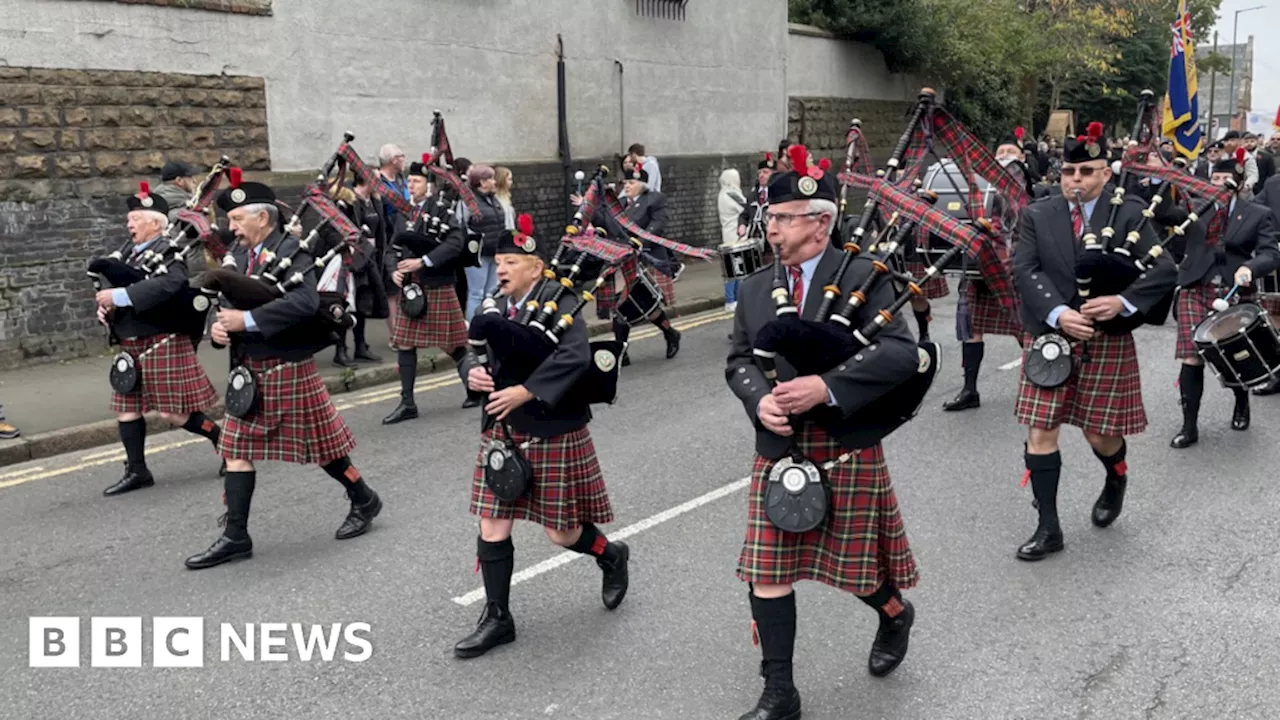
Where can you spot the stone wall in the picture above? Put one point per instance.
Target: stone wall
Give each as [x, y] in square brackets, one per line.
[821, 123]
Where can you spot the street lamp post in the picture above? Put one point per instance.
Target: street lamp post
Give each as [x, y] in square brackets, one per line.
[1235, 31]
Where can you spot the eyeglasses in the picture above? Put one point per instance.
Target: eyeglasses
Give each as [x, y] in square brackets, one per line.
[1082, 171]
[786, 219]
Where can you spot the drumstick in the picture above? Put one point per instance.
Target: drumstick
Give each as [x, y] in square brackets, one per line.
[1223, 303]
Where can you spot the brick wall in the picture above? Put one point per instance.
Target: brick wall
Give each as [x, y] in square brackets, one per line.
[245, 7]
[822, 123]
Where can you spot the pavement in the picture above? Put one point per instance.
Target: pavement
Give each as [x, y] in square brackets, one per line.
[1170, 613]
[63, 407]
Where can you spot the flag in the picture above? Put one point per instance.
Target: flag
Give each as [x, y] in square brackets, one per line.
[1276, 123]
[1181, 120]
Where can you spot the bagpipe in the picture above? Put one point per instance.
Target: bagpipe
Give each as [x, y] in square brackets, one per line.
[186, 311]
[346, 159]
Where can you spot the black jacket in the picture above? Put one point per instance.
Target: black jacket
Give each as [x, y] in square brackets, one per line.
[283, 323]
[649, 211]
[150, 301]
[1249, 238]
[443, 257]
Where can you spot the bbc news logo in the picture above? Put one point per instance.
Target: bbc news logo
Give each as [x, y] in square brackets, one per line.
[179, 642]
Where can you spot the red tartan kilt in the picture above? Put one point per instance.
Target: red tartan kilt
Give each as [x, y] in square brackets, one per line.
[170, 378]
[441, 326]
[1103, 396]
[861, 544]
[989, 316]
[1271, 303]
[295, 422]
[607, 295]
[936, 287]
[568, 486]
[1194, 305]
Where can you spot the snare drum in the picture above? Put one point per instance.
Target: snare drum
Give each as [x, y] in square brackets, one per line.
[740, 259]
[643, 299]
[1241, 345]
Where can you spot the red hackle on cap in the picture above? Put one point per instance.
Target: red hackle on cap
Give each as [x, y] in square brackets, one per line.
[426, 158]
[1019, 132]
[525, 223]
[1094, 130]
[144, 188]
[1240, 155]
[234, 176]
[824, 164]
[768, 157]
[799, 155]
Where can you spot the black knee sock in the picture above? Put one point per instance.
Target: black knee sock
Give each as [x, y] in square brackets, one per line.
[133, 435]
[357, 332]
[1116, 467]
[407, 360]
[497, 560]
[201, 425]
[621, 330]
[594, 543]
[1045, 471]
[886, 601]
[344, 472]
[775, 627]
[662, 323]
[1242, 398]
[1191, 387]
[922, 321]
[971, 354]
[238, 487]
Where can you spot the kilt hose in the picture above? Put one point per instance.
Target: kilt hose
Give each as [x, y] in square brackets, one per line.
[936, 287]
[170, 377]
[568, 486]
[295, 421]
[1102, 396]
[989, 316]
[441, 326]
[860, 545]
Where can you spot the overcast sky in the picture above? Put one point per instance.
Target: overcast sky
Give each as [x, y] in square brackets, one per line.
[1262, 24]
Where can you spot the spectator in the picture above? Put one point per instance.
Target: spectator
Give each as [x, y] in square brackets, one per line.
[176, 185]
[730, 204]
[7, 431]
[391, 167]
[1231, 141]
[1266, 163]
[484, 228]
[503, 193]
[461, 166]
[649, 164]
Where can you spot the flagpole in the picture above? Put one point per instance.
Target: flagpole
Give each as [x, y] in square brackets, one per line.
[1213, 84]
[1235, 39]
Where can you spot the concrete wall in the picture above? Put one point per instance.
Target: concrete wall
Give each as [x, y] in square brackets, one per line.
[712, 83]
[820, 66]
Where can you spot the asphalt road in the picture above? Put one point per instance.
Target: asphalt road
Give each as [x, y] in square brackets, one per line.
[1171, 613]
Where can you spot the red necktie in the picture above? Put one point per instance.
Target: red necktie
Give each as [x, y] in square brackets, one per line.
[1077, 221]
[253, 261]
[797, 286]
[511, 312]
[764, 194]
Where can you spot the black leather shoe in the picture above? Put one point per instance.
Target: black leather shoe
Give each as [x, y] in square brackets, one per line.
[1270, 388]
[1240, 418]
[673, 343]
[340, 357]
[224, 549]
[134, 479]
[776, 703]
[363, 353]
[473, 400]
[1185, 438]
[359, 518]
[616, 578]
[1041, 544]
[404, 411]
[496, 627]
[890, 647]
[966, 400]
[1109, 503]
[626, 359]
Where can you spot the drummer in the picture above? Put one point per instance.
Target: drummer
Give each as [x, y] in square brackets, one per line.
[1244, 250]
[747, 221]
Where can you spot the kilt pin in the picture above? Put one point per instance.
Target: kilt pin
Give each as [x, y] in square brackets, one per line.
[170, 378]
[295, 421]
[568, 487]
[1102, 396]
[862, 543]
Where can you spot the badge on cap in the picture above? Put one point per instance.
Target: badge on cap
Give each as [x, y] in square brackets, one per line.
[147, 201]
[528, 244]
[237, 195]
[807, 185]
[1094, 150]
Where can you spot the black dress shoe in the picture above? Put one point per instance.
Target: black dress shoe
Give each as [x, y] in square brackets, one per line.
[626, 359]
[776, 703]
[496, 627]
[1240, 418]
[363, 353]
[1109, 503]
[616, 579]
[359, 518]
[340, 358]
[890, 647]
[966, 400]
[404, 411]
[1041, 544]
[1185, 439]
[224, 549]
[472, 400]
[673, 343]
[134, 479]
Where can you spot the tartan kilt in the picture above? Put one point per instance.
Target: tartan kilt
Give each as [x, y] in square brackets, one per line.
[989, 316]
[295, 422]
[441, 326]
[1194, 305]
[936, 287]
[860, 545]
[568, 485]
[1271, 303]
[608, 296]
[1103, 396]
[170, 378]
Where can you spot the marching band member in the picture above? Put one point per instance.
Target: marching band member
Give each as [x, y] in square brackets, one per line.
[1102, 397]
[295, 420]
[567, 494]
[1246, 249]
[171, 380]
[861, 547]
[442, 325]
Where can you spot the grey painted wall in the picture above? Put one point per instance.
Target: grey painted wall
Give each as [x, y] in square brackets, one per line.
[713, 83]
[818, 66]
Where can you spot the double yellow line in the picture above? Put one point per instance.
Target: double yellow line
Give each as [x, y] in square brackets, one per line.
[377, 395]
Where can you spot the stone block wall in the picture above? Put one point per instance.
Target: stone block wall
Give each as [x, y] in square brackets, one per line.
[821, 123]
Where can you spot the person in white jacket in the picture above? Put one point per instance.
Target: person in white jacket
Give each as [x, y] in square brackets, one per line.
[729, 205]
